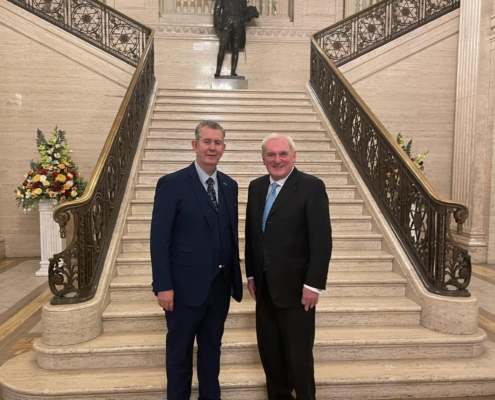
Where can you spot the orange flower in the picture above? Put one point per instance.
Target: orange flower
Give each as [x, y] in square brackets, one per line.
[29, 185]
[53, 194]
[66, 187]
[61, 166]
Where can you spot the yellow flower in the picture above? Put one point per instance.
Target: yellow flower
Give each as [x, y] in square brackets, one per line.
[36, 178]
[19, 194]
[46, 183]
[73, 193]
[61, 178]
[38, 191]
[70, 176]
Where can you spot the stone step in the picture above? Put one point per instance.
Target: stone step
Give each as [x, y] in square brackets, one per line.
[338, 206]
[139, 242]
[340, 223]
[231, 94]
[234, 102]
[23, 379]
[331, 311]
[342, 261]
[243, 178]
[187, 156]
[147, 349]
[229, 167]
[147, 191]
[248, 144]
[281, 125]
[244, 133]
[222, 109]
[224, 118]
[130, 288]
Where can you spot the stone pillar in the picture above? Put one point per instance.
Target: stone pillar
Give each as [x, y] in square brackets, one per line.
[491, 129]
[471, 153]
[50, 239]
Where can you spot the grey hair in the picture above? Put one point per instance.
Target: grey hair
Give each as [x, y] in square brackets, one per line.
[272, 136]
[210, 124]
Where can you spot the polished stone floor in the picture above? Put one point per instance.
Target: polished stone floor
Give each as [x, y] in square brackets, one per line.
[22, 295]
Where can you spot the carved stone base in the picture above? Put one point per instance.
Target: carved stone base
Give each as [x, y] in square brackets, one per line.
[474, 243]
[228, 82]
[50, 239]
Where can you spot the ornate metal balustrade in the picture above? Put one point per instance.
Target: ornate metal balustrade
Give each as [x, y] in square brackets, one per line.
[94, 22]
[378, 24]
[75, 272]
[417, 214]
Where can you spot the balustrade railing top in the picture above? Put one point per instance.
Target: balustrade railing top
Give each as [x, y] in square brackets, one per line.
[378, 24]
[74, 273]
[96, 23]
[418, 215]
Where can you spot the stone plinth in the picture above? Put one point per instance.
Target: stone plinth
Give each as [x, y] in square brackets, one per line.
[50, 240]
[228, 82]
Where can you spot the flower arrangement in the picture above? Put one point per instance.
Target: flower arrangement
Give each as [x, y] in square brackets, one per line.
[418, 160]
[55, 177]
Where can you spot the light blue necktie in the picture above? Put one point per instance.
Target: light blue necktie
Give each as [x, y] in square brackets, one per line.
[269, 203]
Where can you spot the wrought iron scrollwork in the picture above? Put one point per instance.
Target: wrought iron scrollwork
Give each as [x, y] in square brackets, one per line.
[420, 218]
[378, 24]
[96, 23]
[74, 274]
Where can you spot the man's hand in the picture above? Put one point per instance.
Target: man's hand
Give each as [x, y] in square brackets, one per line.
[252, 288]
[166, 300]
[309, 298]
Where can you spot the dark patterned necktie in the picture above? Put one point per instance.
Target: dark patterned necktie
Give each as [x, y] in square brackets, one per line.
[211, 192]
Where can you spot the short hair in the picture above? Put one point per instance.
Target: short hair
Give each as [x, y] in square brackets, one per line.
[210, 124]
[272, 136]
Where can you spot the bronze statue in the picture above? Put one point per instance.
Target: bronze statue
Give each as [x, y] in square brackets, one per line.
[229, 17]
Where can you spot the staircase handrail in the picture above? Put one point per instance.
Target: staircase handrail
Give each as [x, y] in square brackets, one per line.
[74, 273]
[376, 25]
[95, 23]
[419, 216]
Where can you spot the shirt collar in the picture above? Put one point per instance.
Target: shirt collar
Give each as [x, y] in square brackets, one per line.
[281, 182]
[203, 176]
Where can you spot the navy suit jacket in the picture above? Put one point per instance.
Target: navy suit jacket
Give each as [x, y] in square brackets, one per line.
[182, 236]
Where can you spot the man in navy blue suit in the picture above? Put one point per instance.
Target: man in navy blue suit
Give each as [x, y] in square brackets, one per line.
[195, 262]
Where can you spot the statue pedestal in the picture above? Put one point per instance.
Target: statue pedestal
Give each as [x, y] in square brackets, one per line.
[228, 82]
[50, 240]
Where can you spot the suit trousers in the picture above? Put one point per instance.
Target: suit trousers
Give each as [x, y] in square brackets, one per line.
[206, 324]
[285, 341]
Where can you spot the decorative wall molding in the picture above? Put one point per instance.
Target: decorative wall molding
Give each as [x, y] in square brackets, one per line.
[252, 33]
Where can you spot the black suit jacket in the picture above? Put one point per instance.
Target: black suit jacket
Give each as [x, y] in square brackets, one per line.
[296, 246]
[182, 236]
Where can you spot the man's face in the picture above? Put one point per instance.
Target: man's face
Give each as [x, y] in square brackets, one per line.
[278, 158]
[209, 149]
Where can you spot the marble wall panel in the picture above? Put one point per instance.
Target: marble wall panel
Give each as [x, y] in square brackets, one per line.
[266, 64]
[414, 94]
[41, 88]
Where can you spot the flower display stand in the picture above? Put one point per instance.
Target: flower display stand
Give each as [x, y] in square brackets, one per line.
[50, 240]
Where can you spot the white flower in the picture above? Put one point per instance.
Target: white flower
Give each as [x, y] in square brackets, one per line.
[49, 159]
[25, 176]
[57, 146]
[49, 151]
[56, 155]
[70, 183]
[28, 195]
[42, 178]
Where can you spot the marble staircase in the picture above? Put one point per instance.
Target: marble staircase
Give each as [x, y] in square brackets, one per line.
[370, 343]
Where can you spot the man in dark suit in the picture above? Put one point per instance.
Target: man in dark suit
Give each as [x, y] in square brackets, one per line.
[195, 262]
[288, 249]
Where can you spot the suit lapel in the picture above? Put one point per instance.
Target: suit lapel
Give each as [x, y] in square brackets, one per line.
[289, 187]
[201, 195]
[224, 193]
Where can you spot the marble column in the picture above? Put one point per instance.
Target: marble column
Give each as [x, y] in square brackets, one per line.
[471, 153]
[50, 239]
[491, 129]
